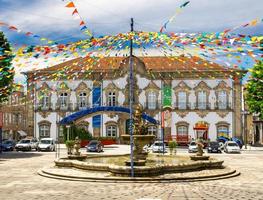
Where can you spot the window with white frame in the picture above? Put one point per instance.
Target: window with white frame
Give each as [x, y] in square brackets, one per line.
[182, 130]
[82, 100]
[152, 100]
[222, 99]
[182, 100]
[111, 131]
[111, 99]
[201, 100]
[45, 101]
[152, 130]
[63, 99]
[44, 130]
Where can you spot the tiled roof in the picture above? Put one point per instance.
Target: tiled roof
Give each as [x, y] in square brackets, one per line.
[154, 63]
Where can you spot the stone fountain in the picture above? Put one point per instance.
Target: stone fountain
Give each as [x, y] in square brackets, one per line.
[140, 138]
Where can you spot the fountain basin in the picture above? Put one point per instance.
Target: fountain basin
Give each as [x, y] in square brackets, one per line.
[153, 168]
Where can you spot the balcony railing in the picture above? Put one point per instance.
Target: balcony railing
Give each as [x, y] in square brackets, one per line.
[222, 106]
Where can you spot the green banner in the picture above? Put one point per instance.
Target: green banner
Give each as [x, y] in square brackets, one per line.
[167, 96]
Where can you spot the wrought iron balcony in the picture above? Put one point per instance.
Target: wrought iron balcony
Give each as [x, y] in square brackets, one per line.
[222, 106]
[202, 106]
[182, 106]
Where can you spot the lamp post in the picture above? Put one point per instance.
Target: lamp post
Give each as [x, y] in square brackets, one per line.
[245, 113]
[67, 126]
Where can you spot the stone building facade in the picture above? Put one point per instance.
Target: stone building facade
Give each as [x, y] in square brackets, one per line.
[197, 98]
[15, 115]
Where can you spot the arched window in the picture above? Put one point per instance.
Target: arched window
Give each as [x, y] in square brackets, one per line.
[182, 100]
[111, 131]
[111, 99]
[201, 100]
[44, 130]
[222, 99]
[151, 100]
[152, 130]
[63, 98]
[82, 100]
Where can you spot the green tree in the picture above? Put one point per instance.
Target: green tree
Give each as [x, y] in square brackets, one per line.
[6, 68]
[254, 90]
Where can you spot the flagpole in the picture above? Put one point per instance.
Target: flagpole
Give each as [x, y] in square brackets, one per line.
[131, 102]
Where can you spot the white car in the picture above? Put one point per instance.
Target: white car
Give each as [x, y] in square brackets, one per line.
[46, 144]
[158, 147]
[231, 147]
[192, 147]
[26, 144]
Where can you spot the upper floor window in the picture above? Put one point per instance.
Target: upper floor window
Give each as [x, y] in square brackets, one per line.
[82, 100]
[222, 100]
[111, 99]
[111, 131]
[45, 101]
[63, 98]
[201, 100]
[181, 100]
[152, 100]
[44, 130]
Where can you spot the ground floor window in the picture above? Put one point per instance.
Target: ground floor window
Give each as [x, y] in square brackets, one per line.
[182, 130]
[222, 130]
[111, 131]
[152, 130]
[44, 130]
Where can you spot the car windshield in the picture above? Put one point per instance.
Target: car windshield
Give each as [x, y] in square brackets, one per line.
[92, 143]
[192, 144]
[232, 145]
[8, 142]
[24, 141]
[158, 144]
[45, 141]
[214, 144]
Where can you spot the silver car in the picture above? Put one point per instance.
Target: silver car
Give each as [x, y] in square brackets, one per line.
[231, 147]
[192, 147]
[27, 144]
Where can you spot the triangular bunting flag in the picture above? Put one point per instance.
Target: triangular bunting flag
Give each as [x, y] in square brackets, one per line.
[70, 5]
[74, 12]
[81, 23]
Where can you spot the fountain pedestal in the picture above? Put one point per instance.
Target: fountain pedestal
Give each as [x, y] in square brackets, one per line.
[139, 155]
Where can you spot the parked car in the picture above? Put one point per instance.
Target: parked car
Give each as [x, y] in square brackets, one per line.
[192, 147]
[8, 145]
[46, 144]
[95, 146]
[231, 147]
[158, 147]
[27, 144]
[213, 147]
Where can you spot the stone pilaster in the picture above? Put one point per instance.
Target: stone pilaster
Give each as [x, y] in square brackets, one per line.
[237, 106]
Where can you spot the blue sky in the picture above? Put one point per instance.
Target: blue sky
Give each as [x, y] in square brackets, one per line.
[51, 19]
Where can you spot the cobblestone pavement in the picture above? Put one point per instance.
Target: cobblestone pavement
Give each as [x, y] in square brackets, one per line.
[19, 180]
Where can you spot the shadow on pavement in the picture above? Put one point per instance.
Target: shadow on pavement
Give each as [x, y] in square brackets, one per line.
[17, 155]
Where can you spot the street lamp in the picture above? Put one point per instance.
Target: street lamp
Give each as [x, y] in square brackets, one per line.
[67, 126]
[245, 113]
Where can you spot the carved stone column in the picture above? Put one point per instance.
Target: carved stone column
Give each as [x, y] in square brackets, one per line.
[237, 103]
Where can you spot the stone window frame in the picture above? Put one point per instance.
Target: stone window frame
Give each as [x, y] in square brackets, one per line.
[182, 123]
[156, 129]
[67, 90]
[44, 123]
[151, 88]
[202, 86]
[82, 87]
[182, 87]
[222, 86]
[44, 90]
[112, 123]
[222, 123]
[111, 87]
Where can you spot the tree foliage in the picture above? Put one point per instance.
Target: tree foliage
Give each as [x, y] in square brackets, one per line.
[254, 90]
[6, 68]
